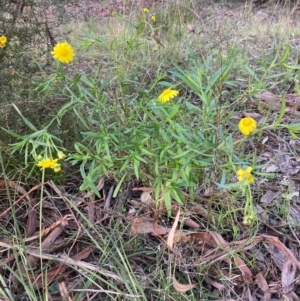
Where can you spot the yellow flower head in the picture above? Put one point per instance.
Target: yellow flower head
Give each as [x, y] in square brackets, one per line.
[245, 175]
[63, 52]
[146, 10]
[113, 13]
[3, 40]
[167, 95]
[47, 163]
[247, 125]
[153, 18]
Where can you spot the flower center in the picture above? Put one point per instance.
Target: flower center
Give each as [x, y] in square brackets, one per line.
[247, 122]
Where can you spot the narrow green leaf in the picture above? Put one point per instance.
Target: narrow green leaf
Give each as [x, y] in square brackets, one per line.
[119, 185]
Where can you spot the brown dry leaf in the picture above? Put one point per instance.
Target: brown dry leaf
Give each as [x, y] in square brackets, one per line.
[158, 212]
[190, 223]
[287, 165]
[186, 221]
[182, 288]
[270, 100]
[145, 226]
[171, 235]
[263, 285]
[269, 197]
[217, 285]
[144, 189]
[147, 198]
[285, 251]
[32, 222]
[91, 208]
[288, 276]
[295, 212]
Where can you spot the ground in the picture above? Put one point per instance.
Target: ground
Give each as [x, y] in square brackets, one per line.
[105, 230]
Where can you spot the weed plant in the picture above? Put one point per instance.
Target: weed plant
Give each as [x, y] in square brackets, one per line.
[176, 132]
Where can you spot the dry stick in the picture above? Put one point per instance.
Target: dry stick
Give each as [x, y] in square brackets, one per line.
[107, 203]
[22, 197]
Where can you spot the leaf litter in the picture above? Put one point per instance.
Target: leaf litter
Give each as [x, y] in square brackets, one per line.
[223, 259]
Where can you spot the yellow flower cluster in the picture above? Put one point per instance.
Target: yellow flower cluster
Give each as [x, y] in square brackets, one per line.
[63, 52]
[44, 163]
[153, 18]
[3, 41]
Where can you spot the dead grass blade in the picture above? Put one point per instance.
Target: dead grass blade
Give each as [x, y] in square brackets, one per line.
[181, 288]
[64, 291]
[171, 235]
[64, 259]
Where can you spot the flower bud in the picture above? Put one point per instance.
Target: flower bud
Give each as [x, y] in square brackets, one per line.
[60, 155]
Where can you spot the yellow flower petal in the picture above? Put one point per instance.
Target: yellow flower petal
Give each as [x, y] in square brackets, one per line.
[247, 125]
[63, 52]
[47, 163]
[146, 10]
[167, 95]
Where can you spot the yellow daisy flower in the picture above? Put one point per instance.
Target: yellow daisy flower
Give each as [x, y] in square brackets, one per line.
[247, 125]
[167, 95]
[3, 40]
[245, 175]
[63, 52]
[146, 10]
[47, 163]
[153, 18]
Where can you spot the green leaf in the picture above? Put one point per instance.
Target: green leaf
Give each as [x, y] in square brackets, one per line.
[119, 185]
[285, 55]
[294, 127]
[167, 201]
[282, 110]
[293, 67]
[28, 123]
